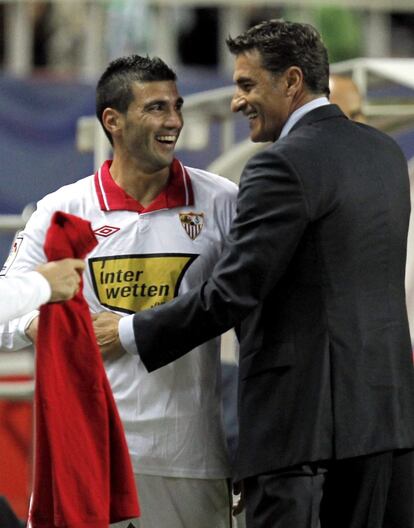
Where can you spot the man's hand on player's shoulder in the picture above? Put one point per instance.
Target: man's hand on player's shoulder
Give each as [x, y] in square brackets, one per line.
[105, 325]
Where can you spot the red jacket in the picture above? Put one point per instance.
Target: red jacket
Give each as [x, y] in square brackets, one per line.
[83, 476]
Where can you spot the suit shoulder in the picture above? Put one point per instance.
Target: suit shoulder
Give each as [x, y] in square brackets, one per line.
[380, 136]
[276, 156]
[335, 136]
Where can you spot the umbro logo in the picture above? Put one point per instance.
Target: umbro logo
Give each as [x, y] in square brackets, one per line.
[106, 231]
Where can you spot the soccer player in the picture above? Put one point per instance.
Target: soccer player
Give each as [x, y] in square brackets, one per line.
[160, 228]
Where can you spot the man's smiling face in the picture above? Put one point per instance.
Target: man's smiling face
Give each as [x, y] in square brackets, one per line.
[261, 96]
[152, 124]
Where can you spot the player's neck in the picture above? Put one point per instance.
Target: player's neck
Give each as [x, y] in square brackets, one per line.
[142, 185]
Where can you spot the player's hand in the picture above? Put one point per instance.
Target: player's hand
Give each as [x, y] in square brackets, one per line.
[63, 277]
[105, 325]
[238, 501]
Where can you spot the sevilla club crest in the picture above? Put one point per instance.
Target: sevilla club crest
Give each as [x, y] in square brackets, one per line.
[193, 223]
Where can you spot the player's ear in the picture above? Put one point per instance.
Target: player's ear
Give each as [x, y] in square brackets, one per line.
[111, 120]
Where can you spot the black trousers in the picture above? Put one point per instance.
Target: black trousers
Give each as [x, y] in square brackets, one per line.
[399, 512]
[361, 492]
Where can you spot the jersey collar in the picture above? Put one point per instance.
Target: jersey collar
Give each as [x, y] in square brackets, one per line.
[177, 193]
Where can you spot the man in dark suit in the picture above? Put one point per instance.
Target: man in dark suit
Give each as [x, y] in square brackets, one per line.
[399, 512]
[313, 276]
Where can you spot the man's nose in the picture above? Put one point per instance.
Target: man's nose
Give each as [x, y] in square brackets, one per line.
[237, 102]
[174, 119]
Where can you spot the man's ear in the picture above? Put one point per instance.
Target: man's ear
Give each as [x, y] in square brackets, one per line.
[111, 120]
[294, 80]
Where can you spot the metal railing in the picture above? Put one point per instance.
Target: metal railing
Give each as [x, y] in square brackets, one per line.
[11, 223]
[16, 364]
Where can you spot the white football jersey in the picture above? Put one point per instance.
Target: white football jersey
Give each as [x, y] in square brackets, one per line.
[145, 257]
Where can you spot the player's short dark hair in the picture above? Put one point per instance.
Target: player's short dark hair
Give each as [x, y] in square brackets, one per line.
[114, 88]
[282, 44]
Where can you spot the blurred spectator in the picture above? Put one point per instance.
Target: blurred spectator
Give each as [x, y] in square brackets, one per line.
[402, 34]
[129, 28]
[341, 32]
[42, 30]
[345, 94]
[198, 43]
[67, 21]
[340, 27]
[2, 28]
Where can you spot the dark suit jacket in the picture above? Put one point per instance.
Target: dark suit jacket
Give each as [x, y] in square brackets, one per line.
[314, 273]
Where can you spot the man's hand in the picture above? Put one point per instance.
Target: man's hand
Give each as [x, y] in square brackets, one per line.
[63, 277]
[105, 325]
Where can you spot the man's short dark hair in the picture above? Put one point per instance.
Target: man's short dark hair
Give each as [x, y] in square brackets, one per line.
[114, 88]
[283, 44]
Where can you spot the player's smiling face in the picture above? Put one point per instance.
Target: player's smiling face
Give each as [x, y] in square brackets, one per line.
[152, 124]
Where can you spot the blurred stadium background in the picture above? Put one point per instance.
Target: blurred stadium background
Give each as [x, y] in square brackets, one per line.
[51, 54]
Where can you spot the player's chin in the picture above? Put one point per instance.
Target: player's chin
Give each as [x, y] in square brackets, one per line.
[164, 160]
[168, 157]
[165, 154]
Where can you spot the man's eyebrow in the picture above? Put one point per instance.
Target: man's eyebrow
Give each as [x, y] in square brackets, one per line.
[243, 80]
[163, 102]
[154, 102]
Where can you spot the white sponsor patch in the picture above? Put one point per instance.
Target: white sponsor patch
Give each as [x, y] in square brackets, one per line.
[17, 242]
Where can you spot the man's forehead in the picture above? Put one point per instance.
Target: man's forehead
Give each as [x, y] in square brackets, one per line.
[247, 65]
[156, 89]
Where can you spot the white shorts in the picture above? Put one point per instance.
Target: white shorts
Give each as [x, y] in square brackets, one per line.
[175, 502]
